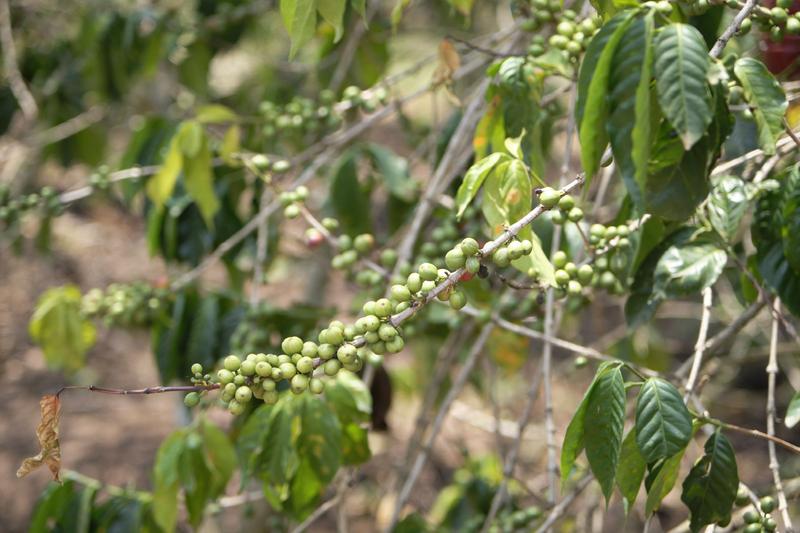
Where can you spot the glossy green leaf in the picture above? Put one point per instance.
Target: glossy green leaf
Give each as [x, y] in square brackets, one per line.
[58, 326]
[681, 67]
[349, 200]
[793, 412]
[574, 437]
[661, 480]
[593, 87]
[333, 13]
[300, 20]
[349, 398]
[604, 422]
[474, 178]
[766, 98]
[215, 114]
[663, 424]
[790, 217]
[727, 206]
[688, 268]
[165, 474]
[198, 177]
[710, 488]
[160, 185]
[629, 105]
[630, 471]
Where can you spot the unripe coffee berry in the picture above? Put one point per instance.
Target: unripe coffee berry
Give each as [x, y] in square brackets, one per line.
[225, 376]
[575, 214]
[291, 211]
[332, 367]
[585, 273]
[264, 369]
[316, 385]
[191, 399]
[457, 300]
[472, 264]
[561, 277]
[559, 259]
[197, 368]
[428, 271]
[387, 332]
[767, 504]
[305, 365]
[292, 345]
[363, 243]
[566, 202]
[235, 408]
[346, 353]
[268, 385]
[501, 257]
[549, 197]
[388, 258]
[455, 259]
[309, 349]
[469, 246]
[574, 287]
[383, 308]
[243, 394]
[400, 293]
[288, 370]
[232, 363]
[299, 384]
[394, 345]
[248, 368]
[414, 282]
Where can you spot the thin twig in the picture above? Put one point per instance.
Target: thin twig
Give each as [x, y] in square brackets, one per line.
[147, 390]
[455, 389]
[70, 127]
[774, 466]
[317, 514]
[733, 27]
[700, 346]
[15, 80]
[558, 511]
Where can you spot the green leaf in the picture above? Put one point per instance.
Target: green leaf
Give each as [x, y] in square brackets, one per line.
[574, 437]
[199, 182]
[727, 205]
[790, 218]
[215, 114]
[710, 488]
[686, 269]
[349, 200]
[681, 68]
[592, 103]
[630, 471]
[58, 326]
[349, 398]
[160, 186]
[165, 474]
[474, 178]
[663, 424]
[793, 411]
[766, 98]
[333, 13]
[300, 19]
[604, 422]
[394, 170]
[202, 343]
[629, 105]
[231, 144]
[220, 456]
[661, 480]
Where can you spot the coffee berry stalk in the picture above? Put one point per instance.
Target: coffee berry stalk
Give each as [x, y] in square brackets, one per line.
[303, 362]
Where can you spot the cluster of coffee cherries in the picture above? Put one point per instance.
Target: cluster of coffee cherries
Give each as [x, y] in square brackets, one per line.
[258, 374]
[511, 251]
[292, 201]
[757, 520]
[541, 12]
[573, 35]
[777, 20]
[45, 201]
[570, 277]
[263, 164]
[126, 305]
[302, 116]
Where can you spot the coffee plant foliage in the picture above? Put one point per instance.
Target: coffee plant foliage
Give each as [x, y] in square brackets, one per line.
[664, 105]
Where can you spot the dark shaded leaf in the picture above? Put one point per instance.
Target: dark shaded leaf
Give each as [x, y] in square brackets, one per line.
[663, 424]
[710, 488]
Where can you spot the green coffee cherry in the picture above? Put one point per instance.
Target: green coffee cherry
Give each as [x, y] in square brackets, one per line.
[292, 345]
[383, 308]
[288, 370]
[346, 353]
[455, 259]
[574, 288]
[225, 376]
[305, 365]
[316, 385]
[197, 368]
[558, 218]
[332, 367]
[414, 282]
[330, 224]
[235, 408]
[575, 214]
[469, 246]
[549, 197]
[388, 258]
[363, 243]
[767, 504]
[191, 399]
[585, 273]
[742, 498]
[566, 202]
[561, 277]
[559, 259]
[769, 524]
[428, 271]
[243, 394]
[472, 265]
[232, 363]
[457, 300]
[248, 368]
[291, 211]
[501, 257]
[400, 293]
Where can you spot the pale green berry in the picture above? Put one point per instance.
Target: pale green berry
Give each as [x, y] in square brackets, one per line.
[292, 345]
[414, 282]
[225, 376]
[457, 300]
[383, 308]
[428, 271]
[469, 246]
[316, 385]
[305, 365]
[197, 368]
[332, 367]
[268, 385]
[248, 368]
[346, 353]
[455, 259]
[244, 394]
[387, 332]
[232, 363]
[326, 351]
[299, 384]
[288, 370]
[400, 293]
[191, 399]
[263, 369]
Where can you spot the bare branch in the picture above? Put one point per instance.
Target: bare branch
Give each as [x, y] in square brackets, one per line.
[733, 27]
[700, 346]
[15, 80]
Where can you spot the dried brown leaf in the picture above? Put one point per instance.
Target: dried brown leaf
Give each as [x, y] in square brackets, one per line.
[449, 62]
[47, 433]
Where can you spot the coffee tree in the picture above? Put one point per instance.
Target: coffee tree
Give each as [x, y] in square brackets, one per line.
[621, 151]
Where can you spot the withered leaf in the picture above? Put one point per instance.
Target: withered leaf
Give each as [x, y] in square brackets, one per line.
[47, 433]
